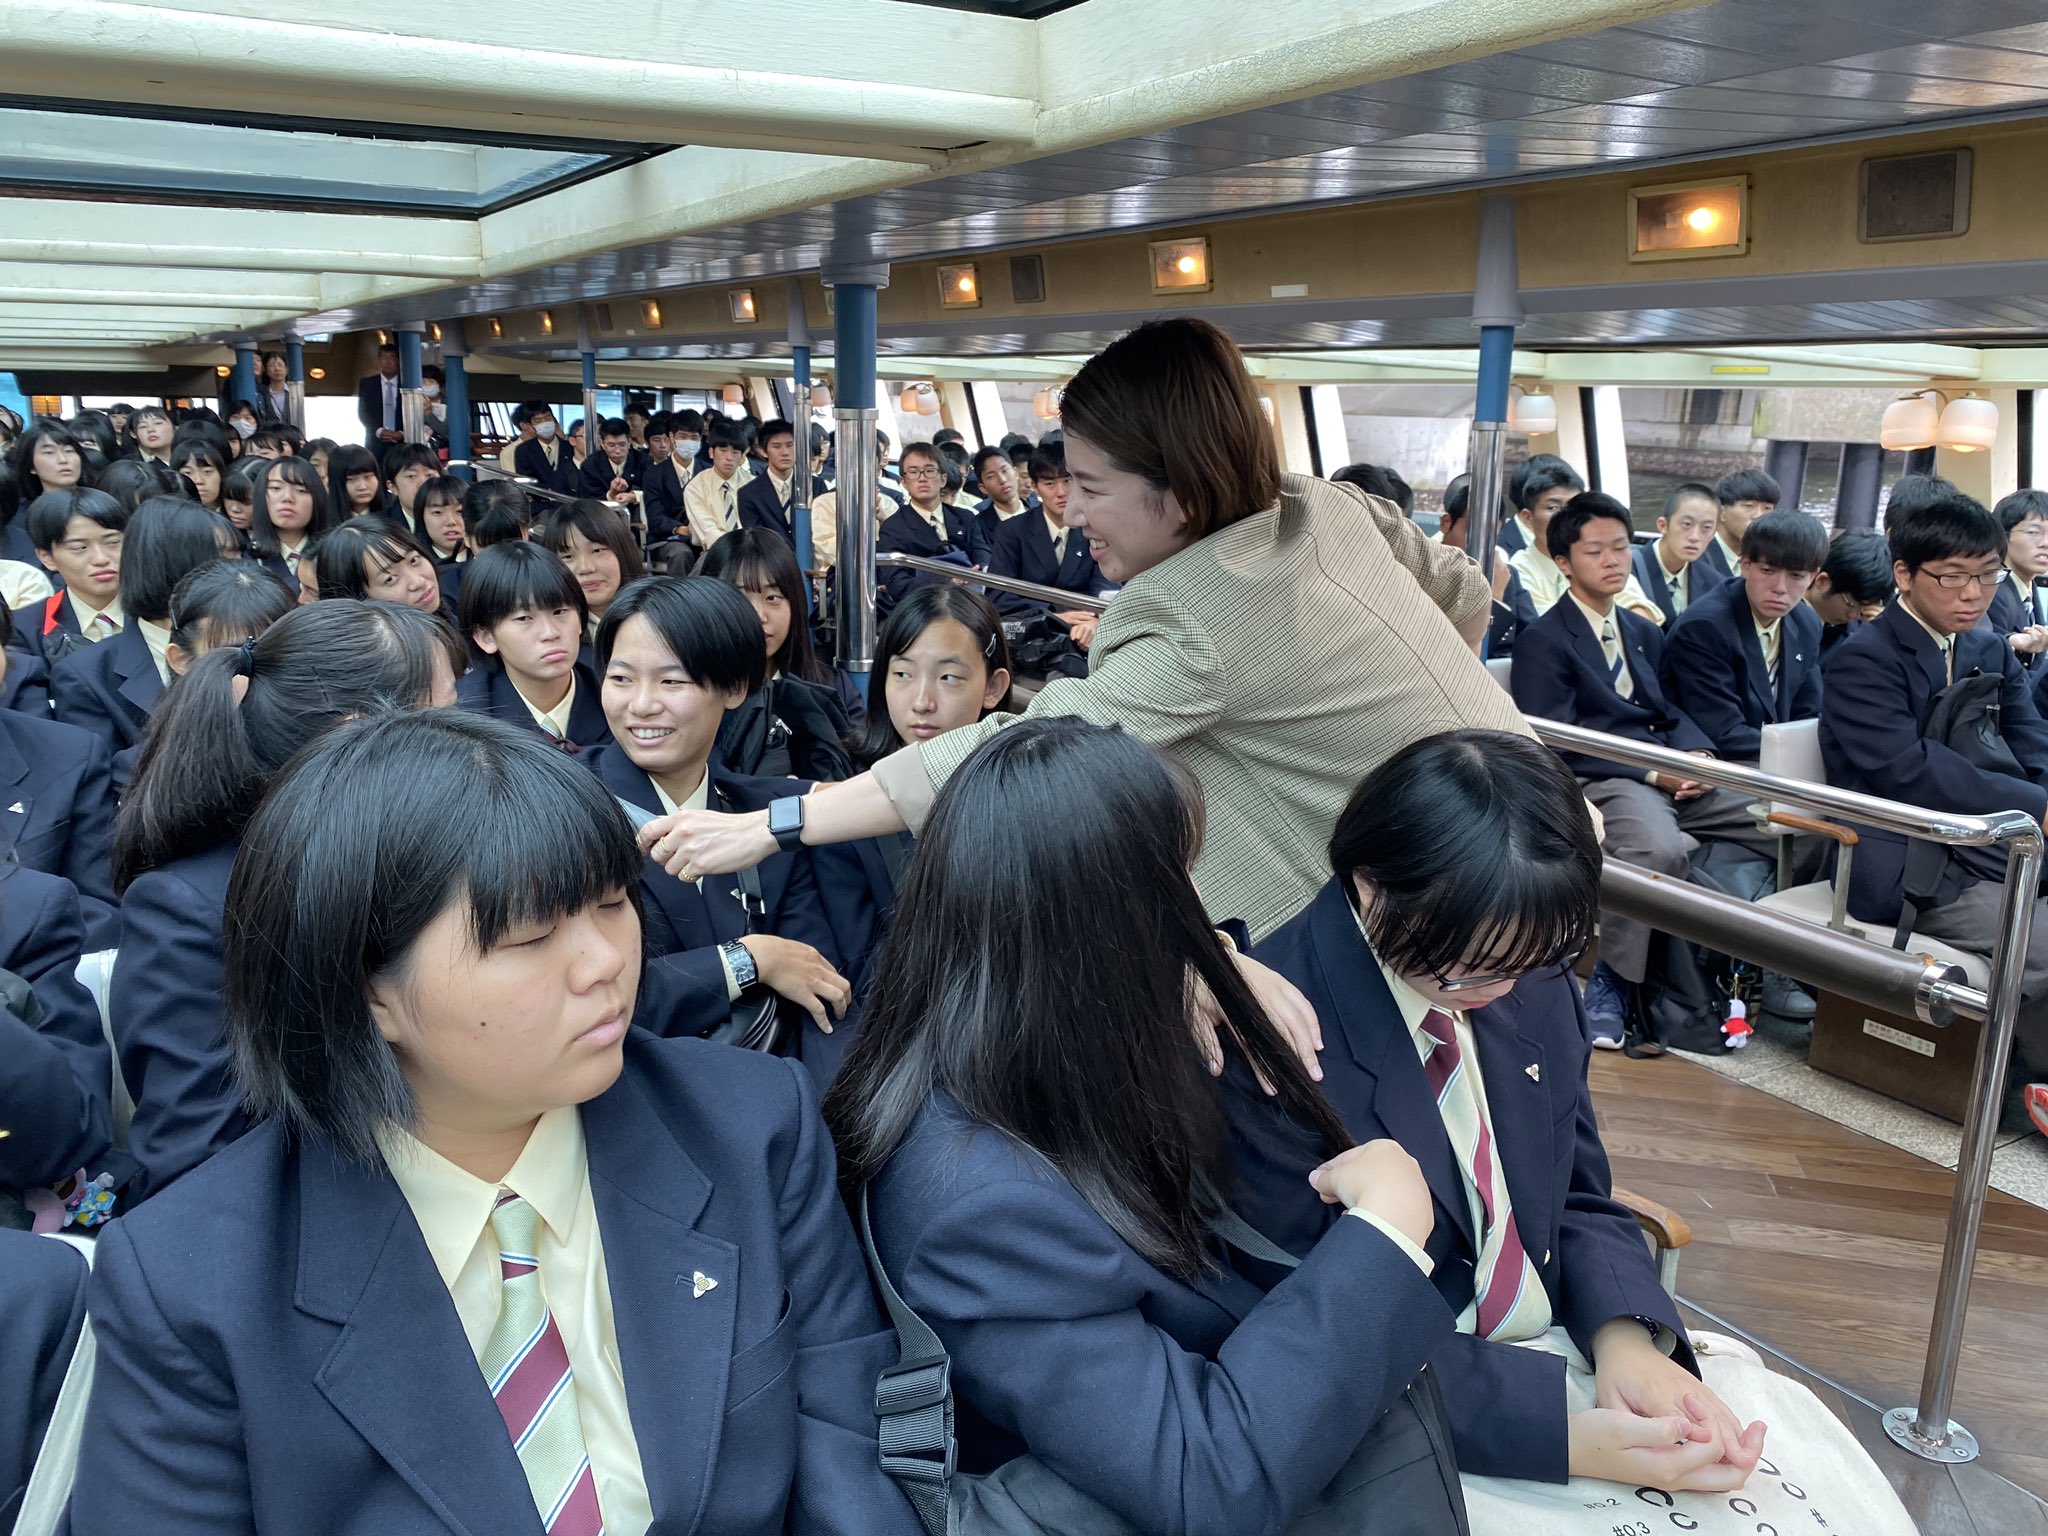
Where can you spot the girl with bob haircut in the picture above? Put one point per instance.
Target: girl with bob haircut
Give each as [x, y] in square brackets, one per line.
[1465, 883]
[436, 514]
[522, 613]
[598, 547]
[111, 688]
[375, 558]
[355, 484]
[795, 724]
[942, 663]
[1046, 1159]
[1277, 632]
[47, 457]
[238, 495]
[469, 1173]
[203, 468]
[133, 481]
[237, 716]
[291, 507]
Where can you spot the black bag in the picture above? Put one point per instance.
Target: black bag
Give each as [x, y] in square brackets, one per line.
[1964, 718]
[1041, 646]
[1401, 1481]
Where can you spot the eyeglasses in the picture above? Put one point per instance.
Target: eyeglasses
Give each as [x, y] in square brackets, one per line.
[1472, 983]
[1955, 581]
[920, 472]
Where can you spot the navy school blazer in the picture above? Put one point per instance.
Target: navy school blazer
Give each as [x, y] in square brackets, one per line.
[1714, 667]
[57, 1086]
[32, 622]
[596, 474]
[1217, 1408]
[274, 1337]
[1561, 674]
[110, 688]
[486, 689]
[1650, 576]
[1022, 547]
[1714, 560]
[905, 532]
[760, 507]
[42, 1310]
[1505, 1403]
[57, 809]
[683, 930]
[990, 519]
[531, 460]
[661, 500]
[1880, 684]
[26, 685]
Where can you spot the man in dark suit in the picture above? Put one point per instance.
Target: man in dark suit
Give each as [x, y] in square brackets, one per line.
[1747, 654]
[615, 471]
[1003, 492]
[546, 458]
[1852, 586]
[1880, 685]
[1592, 663]
[1040, 547]
[928, 525]
[377, 406]
[1745, 495]
[764, 500]
[663, 480]
[1666, 568]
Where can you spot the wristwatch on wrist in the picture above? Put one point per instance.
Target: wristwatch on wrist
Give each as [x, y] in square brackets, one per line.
[741, 960]
[786, 822]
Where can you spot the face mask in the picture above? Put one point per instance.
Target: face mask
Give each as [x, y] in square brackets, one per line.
[544, 430]
[245, 428]
[686, 448]
[431, 390]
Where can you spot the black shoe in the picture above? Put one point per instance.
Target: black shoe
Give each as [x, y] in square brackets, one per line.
[1783, 998]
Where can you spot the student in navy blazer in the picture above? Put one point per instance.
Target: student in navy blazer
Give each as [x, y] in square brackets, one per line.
[57, 800]
[2016, 606]
[1684, 531]
[530, 459]
[1471, 856]
[42, 1312]
[721, 1375]
[675, 654]
[764, 500]
[1042, 1187]
[524, 614]
[204, 767]
[56, 1091]
[1714, 654]
[1881, 684]
[1023, 547]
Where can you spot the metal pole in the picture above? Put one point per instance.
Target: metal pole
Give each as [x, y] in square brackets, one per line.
[295, 380]
[859, 459]
[800, 413]
[1926, 1430]
[1496, 310]
[590, 432]
[412, 405]
[455, 394]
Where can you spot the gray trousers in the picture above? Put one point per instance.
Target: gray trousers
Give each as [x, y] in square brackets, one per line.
[1647, 828]
[1970, 923]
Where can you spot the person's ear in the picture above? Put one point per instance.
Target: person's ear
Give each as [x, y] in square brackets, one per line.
[998, 686]
[1564, 564]
[387, 1011]
[734, 697]
[1663, 523]
[48, 563]
[484, 640]
[1364, 891]
[177, 658]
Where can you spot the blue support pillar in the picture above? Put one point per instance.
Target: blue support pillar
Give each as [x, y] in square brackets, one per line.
[295, 379]
[1496, 366]
[1496, 310]
[854, 289]
[800, 418]
[242, 380]
[412, 405]
[455, 395]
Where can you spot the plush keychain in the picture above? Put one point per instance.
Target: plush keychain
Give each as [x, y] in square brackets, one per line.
[1738, 1029]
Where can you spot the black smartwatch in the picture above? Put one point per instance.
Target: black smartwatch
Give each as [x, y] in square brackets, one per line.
[786, 822]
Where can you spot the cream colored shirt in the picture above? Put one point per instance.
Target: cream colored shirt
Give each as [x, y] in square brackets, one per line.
[712, 506]
[1545, 584]
[936, 516]
[1625, 685]
[697, 800]
[505, 454]
[1732, 551]
[554, 721]
[1058, 530]
[158, 639]
[1769, 636]
[1946, 642]
[1679, 581]
[22, 584]
[102, 625]
[825, 530]
[453, 1210]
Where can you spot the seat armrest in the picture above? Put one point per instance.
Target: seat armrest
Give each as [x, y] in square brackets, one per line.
[1834, 832]
[1666, 1228]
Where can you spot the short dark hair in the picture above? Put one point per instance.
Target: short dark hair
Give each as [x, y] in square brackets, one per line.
[922, 451]
[1955, 527]
[444, 490]
[688, 420]
[1457, 499]
[239, 483]
[2015, 509]
[1859, 563]
[271, 437]
[339, 564]
[1479, 850]
[147, 413]
[500, 581]
[1584, 508]
[1911, 493]
[987, 453]
[51, 513]
[1520, 473]
[387, 346]
[1173, 403]
[1048, 460]
[346, 460]
[207, 758]
[638, 406]
[409, 456]
[226, 602]
[168, 538]
[599, 524]
[753, 558]
[723, 432]
[947, 435]
[775, 427]
[924, 607]
[1787, 539]
[613, 426]
[495, 512]
[1378, 480]
[1689, 490]
[1015, 443]
[1746, 485]
[263, 542]
[131, 482]
[23, 454]
[661, 424]
[335, 886]
[706, 625]
[1546, 475]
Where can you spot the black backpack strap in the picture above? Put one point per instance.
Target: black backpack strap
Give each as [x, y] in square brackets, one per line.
[1247, 1239]
[913, 1400]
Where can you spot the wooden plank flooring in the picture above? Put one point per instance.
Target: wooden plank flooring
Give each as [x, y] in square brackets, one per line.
[1822, 1245]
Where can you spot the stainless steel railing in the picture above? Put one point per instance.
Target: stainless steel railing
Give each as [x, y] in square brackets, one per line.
[1753, 933]
[1079, 602]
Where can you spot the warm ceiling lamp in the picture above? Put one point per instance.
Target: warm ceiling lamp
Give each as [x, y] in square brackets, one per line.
[316, 373]
[434, 330]
[743, 306]
[1968, 425]
[383, 338]
[733, 394]
[222, 370]
[959, 287]
[547, 322]
[918, 400]
[497, 327]
[651, 311]
[1911, 422]
[1045, 405]
[1699, 218]
[1533, 415]
[1180, 266]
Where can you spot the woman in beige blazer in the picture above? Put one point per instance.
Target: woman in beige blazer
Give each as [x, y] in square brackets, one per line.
[1282, 635]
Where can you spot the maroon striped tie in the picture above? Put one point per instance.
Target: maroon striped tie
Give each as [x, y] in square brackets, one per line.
[1501, 1286]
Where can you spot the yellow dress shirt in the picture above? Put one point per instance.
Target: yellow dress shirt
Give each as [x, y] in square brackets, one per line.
[1545, 584]
[158, 639]
[102, 625]
[1625, 685]
[712, 506]
[22, 584]
[554, 721]
[453, 1209]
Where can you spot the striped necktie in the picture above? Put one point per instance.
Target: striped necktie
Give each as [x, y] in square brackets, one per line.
[1771, 640]
[731, 518]
[1617, 665]
[1510, 1299]
[527, 1366]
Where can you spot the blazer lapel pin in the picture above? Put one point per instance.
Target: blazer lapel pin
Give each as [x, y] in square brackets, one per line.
[699, 1284]
[1535, 1072]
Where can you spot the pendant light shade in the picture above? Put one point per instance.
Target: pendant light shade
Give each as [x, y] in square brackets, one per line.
[1910, 424]
[1533, 415]
[1969, 425]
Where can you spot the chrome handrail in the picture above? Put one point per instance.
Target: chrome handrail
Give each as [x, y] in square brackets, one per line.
[1078, 602]
[483, 469]
[1924, 1429]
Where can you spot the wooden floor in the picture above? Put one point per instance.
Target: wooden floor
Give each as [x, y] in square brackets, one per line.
[1822, 1245]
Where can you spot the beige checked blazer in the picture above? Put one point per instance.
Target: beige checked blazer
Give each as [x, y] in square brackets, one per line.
[1281, 659]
